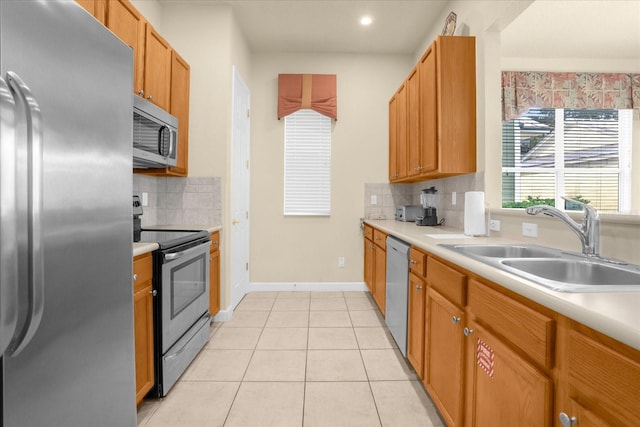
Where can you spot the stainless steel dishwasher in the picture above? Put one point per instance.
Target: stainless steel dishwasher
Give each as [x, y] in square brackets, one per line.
[397, 290]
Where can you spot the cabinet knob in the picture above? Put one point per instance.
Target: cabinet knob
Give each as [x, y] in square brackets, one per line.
[467, 332]
[153, 292]
[150, 97]
[418, 168]
[413, 262]
[135, 277]
[455, 320]
[566, 420]
[418, 287]
[141, 92]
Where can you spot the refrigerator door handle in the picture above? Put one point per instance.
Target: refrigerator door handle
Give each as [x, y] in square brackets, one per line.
[35, 252]
[8, 219]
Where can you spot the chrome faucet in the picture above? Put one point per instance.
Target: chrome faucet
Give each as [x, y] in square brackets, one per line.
[588, 232]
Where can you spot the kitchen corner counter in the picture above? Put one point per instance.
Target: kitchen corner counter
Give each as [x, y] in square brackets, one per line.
[143, 248]
[615, 314]
[209, 228]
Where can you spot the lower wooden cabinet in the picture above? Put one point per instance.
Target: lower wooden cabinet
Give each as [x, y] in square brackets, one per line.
[375, 265]
[143, 323]
[214, 274]
[600, 380]
[416, 323]
[444, 356]
[503, 389]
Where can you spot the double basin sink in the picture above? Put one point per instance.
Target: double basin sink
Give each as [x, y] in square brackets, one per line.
[555, 269]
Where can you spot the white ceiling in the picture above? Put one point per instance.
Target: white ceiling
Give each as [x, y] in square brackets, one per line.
[575, 29]
[399, 26]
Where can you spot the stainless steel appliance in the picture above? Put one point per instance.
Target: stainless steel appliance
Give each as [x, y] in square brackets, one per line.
[155, 136]
[408, 213]
[181, 313]
[66, 315]
[397, 290]
[428, 201]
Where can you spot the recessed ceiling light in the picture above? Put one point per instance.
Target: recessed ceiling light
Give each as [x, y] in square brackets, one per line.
[366, 20]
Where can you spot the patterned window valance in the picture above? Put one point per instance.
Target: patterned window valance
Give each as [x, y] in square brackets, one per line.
[524, 90]
[308, 91]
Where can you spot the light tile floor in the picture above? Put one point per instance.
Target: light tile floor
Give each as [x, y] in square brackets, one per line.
[297, 359]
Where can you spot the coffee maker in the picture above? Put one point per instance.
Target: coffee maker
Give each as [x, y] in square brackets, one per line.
[428, 201]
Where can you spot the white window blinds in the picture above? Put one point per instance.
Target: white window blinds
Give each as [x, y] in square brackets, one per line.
[582, 154]
[307, 163]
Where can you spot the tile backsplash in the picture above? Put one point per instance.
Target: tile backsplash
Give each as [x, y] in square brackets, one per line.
[390, 196]
[180, 201]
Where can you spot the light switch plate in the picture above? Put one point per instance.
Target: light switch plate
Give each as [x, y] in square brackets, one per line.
[494, 225]
[374, 199]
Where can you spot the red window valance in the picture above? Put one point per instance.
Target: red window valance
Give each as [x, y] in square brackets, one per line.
[523, 90]
[307, 91]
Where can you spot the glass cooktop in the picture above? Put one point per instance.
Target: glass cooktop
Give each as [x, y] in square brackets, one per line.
[170, 238]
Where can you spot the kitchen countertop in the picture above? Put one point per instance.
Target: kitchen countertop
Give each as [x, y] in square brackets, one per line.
[616, 314]
[143, 248]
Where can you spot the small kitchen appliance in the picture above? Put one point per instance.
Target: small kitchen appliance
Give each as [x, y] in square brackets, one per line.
[428, 201]
[137, 222]
[408, 213]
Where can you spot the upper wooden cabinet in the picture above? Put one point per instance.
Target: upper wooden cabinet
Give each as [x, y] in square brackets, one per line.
[124, 20]
[439, 125]
[95, 7]
[157, 69]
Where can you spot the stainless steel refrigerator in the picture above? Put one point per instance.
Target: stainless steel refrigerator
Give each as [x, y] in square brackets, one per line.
[66, 309]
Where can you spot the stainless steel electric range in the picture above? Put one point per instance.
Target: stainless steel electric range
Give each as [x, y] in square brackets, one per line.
[181, 307]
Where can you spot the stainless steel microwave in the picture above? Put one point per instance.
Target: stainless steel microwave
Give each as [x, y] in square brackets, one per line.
[155, 136]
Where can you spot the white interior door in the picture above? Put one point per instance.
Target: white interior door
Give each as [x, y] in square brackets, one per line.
[240, 189]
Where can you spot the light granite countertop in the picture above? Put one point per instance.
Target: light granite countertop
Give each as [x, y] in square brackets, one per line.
[140, 248]
[616, 314]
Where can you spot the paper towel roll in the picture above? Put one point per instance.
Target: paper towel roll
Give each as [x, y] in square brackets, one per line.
[474, 213]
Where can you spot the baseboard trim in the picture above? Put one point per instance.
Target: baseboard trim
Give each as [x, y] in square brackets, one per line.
[307, 286]
[223, 315]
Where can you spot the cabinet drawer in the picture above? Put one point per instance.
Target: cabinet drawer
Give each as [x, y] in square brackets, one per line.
[447, 281]
[142, 270]
[603, 379]
[417, 262]
[380, 238]
[530, 331]
[215, 241]
[368, 232]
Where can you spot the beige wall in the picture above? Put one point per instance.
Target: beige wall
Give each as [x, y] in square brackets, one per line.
[306, 249]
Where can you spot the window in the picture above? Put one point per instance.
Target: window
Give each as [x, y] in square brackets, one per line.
[582, 154]
[307, 163]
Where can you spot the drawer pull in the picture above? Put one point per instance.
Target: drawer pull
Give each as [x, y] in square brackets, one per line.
[467, 332]
[135, 277]
[153, 292]
[455, 320]
[418, 287]
[414, 262]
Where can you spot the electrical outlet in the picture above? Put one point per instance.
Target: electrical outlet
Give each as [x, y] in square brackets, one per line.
[529, 229]
[145, 199]
[374, 199]
[341, 261]
[454, 198]
[494, 225]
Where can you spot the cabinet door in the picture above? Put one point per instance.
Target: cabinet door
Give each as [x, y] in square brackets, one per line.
[428, 111]
[97, 8]
[401, 124]
[128, 24]
[143, 324]
[380, 278]
[157, 69]
[214, 282]
[445, 356]
[393, 138]
[369, 259]
[415, 329]
[179, 107]
[413, 124]
[505, 390]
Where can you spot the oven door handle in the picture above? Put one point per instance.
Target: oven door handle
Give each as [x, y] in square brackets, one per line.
[173, 256]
